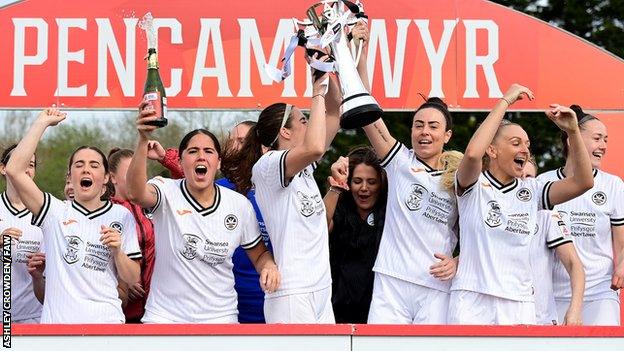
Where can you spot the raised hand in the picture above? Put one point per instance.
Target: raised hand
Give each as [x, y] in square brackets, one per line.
[51, 116]
[339, 173]
[155, 151]
[517, 92]
[563, 117]
[147, 113]
[360, 32]
[111, 238]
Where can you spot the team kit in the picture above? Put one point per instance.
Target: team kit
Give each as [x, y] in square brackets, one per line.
[407, 232]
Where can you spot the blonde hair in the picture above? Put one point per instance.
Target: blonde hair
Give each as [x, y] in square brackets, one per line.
[450, 162]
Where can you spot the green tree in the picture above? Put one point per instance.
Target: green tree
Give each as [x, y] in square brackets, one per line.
[598, 21]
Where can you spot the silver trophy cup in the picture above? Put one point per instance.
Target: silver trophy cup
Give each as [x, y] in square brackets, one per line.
[358, 107]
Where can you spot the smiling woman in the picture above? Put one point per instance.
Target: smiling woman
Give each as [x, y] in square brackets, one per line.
[596, 221]
[497, 247]
[83, 237]
[356, 208]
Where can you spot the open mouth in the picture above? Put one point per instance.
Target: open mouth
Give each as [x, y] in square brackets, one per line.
[86, 182]
[364, 198]
[520, 161]
[598, 154]
[425, 142]
[201, 170]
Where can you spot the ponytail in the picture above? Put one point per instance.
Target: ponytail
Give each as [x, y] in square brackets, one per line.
[236, 165]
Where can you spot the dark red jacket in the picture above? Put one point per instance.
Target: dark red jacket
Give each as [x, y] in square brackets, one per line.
[145, 235]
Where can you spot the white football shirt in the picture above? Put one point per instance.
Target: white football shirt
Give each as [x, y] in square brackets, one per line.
[193, 280]
[497, 222]
[420, 216]
[81, 278]
[294, 214]
[590, 217]
[24, 304]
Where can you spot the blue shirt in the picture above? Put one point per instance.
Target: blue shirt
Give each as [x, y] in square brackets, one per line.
[246, 279]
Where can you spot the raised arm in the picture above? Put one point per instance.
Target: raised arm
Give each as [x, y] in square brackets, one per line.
[29, 192]
[470, 165]
[582, 178]
[167, 158]
[572, 263]
[314, 141]
[337, 185]
[377, 132]
[139, 192]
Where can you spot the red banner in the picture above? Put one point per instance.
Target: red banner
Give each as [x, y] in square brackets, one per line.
[90, 54]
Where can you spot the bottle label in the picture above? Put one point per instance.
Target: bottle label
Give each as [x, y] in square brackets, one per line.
[156, 102]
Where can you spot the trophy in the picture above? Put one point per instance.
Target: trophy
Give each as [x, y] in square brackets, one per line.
[329, 20]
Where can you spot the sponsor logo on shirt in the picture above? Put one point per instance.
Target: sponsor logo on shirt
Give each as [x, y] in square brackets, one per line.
[413, 201]
[599, 198]
[212, 253]
[184, 212]
[230, 222]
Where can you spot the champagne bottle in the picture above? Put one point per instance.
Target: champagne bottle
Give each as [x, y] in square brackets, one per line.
[154, 91]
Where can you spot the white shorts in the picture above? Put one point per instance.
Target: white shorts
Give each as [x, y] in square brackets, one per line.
[397, 301]
[307, 308]
[597, 312]
[469, 307]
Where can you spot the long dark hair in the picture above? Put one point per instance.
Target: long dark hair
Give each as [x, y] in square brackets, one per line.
[107, 193]
[115, 155]
[6, 155]
[365, 155]
[582, 118]
[237, 165]
[187, 139]
[438, 104]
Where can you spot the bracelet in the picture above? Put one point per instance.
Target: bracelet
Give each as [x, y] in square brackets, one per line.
[319, 94]
[507, 101]
[336, 190]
